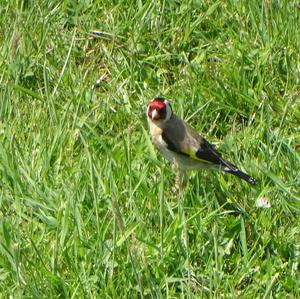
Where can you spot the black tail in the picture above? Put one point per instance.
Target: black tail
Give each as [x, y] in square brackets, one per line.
[244, 176]
[230, 168]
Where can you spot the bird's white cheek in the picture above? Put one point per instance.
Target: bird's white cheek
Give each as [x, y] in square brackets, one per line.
[169, 112]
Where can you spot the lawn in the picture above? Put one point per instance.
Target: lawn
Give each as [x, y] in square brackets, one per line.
[88, 207]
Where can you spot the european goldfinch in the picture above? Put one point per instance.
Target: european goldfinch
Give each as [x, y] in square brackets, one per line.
[182, 145]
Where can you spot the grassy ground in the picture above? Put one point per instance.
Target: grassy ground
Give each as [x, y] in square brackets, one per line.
[86, 204]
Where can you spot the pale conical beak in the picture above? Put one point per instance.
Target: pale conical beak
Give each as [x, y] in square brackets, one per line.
[154, 114]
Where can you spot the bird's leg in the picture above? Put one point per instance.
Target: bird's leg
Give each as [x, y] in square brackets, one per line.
[181, 178]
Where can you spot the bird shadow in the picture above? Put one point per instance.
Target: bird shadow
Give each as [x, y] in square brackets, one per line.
[203, 187]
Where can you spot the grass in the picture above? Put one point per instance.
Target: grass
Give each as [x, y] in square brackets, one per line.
[86, 203]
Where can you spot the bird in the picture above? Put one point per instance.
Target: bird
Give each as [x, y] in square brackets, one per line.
[181, 145]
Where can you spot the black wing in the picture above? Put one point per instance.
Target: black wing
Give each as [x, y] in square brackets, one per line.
[207, 152]
[171, 145]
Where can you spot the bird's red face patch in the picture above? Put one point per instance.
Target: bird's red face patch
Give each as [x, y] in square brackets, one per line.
[157, 109]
